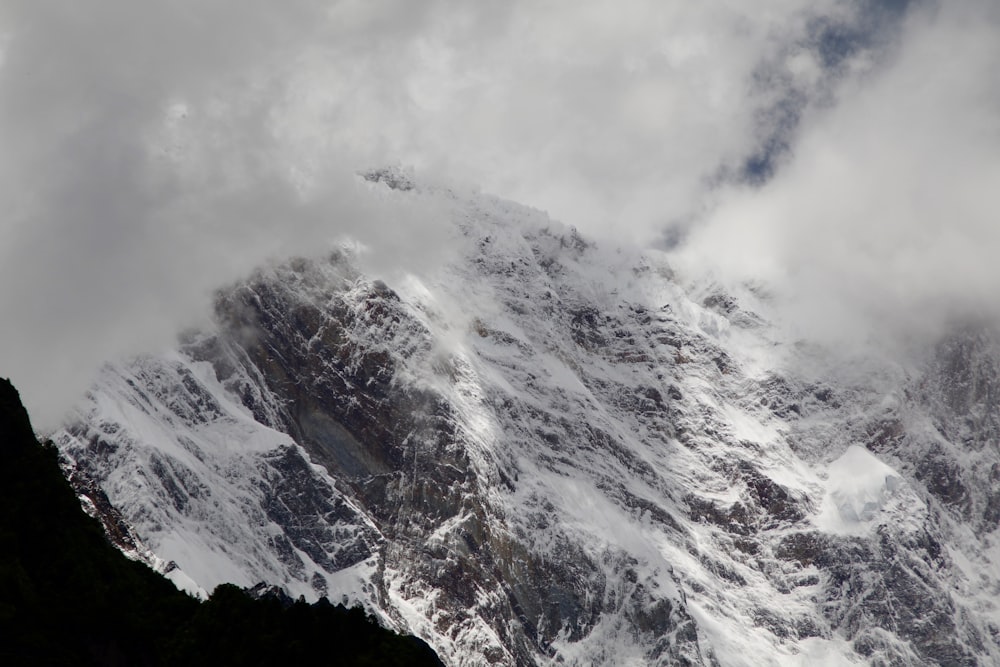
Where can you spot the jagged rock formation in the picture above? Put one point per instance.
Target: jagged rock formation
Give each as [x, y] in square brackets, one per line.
[555, 452]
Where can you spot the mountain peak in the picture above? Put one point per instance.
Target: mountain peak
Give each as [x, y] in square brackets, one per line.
[551, 450]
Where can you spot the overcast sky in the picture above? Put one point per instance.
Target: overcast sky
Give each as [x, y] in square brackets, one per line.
[153, 150]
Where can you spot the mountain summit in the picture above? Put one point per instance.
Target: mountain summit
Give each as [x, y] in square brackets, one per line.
[553, 452]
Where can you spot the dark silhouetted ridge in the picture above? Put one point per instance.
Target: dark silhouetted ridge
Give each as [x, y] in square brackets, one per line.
[67, 597]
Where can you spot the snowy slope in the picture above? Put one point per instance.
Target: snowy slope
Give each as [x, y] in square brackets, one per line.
[209, 488]
[553, 452]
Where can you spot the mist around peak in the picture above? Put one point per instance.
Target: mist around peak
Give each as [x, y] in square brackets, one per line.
[840, 152]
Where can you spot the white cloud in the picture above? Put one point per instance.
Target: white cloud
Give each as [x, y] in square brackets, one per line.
[154, 150]
[884, 222]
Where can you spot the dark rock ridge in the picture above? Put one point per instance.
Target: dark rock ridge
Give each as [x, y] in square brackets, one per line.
[68, 597]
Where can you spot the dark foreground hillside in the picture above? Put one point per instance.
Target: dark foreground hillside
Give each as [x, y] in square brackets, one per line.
[67, 597]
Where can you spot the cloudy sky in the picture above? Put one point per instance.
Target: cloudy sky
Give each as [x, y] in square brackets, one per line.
[847, 150]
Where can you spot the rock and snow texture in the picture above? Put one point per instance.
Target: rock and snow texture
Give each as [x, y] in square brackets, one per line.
[553, 453]
[212, 490]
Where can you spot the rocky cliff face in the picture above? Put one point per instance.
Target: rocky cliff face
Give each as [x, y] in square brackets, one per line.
[554, 452]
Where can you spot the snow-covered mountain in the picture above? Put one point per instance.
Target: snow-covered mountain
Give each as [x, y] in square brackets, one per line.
[552, 452]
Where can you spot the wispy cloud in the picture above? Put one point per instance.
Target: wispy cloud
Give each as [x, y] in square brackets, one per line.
[884, 221]
[152, 151]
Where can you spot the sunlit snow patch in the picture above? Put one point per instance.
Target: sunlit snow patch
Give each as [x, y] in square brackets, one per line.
[185, 583]
[863, 492]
